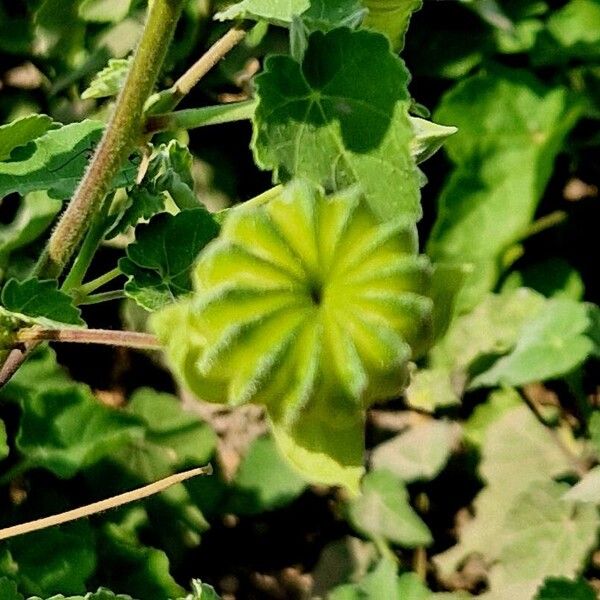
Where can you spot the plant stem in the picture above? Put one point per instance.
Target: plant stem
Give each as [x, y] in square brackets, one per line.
[91, 286]
[105, 337]
[184, 85]
[92, 240]
[120, 137]
[102, 505]
[200, 117]
[103, 297]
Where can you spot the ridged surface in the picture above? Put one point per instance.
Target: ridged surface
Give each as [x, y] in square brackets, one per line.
[308, 305]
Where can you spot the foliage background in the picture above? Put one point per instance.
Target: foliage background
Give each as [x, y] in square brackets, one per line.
[468, 472]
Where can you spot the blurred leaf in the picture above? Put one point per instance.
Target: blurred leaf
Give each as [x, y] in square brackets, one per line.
[551, 344]
[21, 131]
[391, 17]
[318, 121]
[493, 328]
[563, 589]
[52, 561]
[8, 590]
[430, 389]
[190, 442]
[419, 453]
[518, 453]
[66, 430]
[108, 82]
[40, 298]
[158, 264]
[381, 582]
[554, 277]
[541, 524]
[35, 214]
[264, 481]
[104, 11]
[588, 489]
[59, 31]
[383, 511]
[280, 12]
[4, 450]
[56, 161]
[503, 161]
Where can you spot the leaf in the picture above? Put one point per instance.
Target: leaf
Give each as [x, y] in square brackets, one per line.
[158, 264]
[280, 12]
[518, 453]
[21, 131]
[555, 588]
[190, 442]
[108, 82]
[541, 524]
[4, 449]
[263, 481]
[318, 121]
[503, 161]
[104, 11]
[410, 587]
[324, 15]
[53, 560]
[417, 454]
[588, 489]
[8, 590]
[35, 213]
[65, 430]
[56, 161]
[431, 389]
[550, 345]
[428, 138]
[380, 583]
[40, 298]
[391, 17]
[383, 511]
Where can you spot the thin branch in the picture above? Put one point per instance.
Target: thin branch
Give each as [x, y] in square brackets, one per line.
[105, 337]
[102, 297]
[184, 85]
[102, 505]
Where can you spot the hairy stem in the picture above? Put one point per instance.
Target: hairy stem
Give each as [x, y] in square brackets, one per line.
[102, 505]
[192, 118]
[106, 337]
[120, 137]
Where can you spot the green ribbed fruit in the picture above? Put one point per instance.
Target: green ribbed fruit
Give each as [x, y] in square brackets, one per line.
[312, 307]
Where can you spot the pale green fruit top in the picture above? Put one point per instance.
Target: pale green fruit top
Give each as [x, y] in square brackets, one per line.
[311, 306]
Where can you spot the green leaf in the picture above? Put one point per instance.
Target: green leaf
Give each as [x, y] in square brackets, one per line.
[430, 389]
[503, 161]
[189, 441]
[8, 590]
[588, 489]
[540, 523]
[324, 15]
[319, 121]
[263, 481]
[555, 588]
[108, 82]
[380, 583]
[383, 511]
[53, 560]
[410, 587]
[40, 298]
[35, 214]
[518, 453]
[65, 430]
[21, 131]
[428, 138]
[391, 17]
[419, 453]
[4, 449]
[280, 12]
[56, 161]
[104, 11]
[550, 345]
[158, 264]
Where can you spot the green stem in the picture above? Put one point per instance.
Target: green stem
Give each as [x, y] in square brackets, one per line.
[88, 249]
[91, 286]
[102, 297]
[120, 137]
[201, 117]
